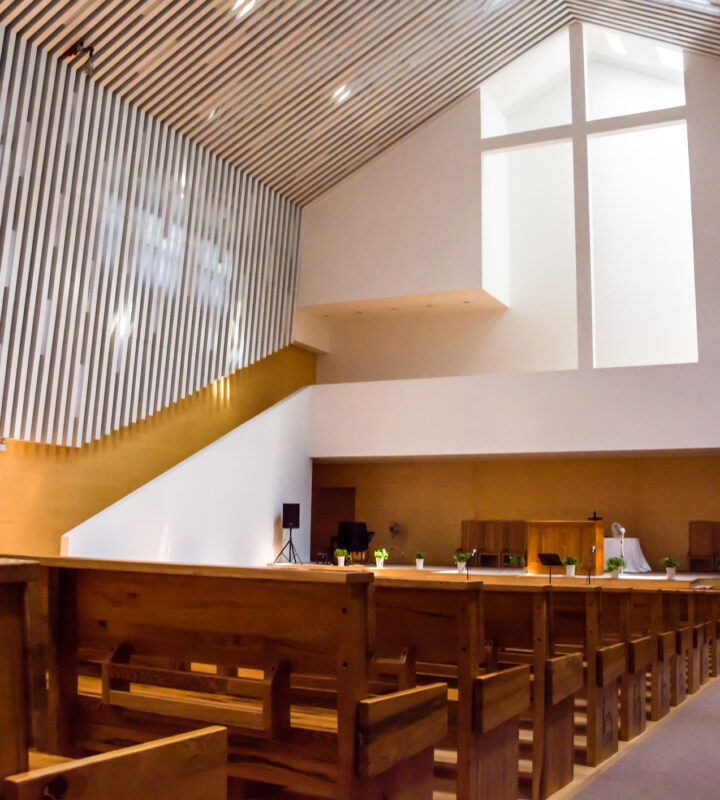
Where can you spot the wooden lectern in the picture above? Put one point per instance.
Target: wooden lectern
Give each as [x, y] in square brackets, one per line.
[566, 538]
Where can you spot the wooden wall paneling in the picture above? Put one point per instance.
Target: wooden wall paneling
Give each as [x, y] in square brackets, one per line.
[123, 246]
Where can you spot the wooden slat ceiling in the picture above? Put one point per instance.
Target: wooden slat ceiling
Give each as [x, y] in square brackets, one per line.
[255, 80]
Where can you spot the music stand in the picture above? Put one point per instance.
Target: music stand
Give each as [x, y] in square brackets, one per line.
[550, 560]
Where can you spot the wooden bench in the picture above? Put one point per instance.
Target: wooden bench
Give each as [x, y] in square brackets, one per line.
[575, 624]
[619, 623]
[15, 577]
[677, 616]
[439, 620]
[190, 765]
[647, 619]
[128, 624]
[517, 630]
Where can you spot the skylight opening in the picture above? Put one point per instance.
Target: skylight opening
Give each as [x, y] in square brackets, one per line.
[672, 59]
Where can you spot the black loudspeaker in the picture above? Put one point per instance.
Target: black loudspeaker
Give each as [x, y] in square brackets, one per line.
[291, 515]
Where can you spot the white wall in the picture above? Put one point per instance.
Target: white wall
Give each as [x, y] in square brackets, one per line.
[407, 223]
[222, 505]
[594, 411]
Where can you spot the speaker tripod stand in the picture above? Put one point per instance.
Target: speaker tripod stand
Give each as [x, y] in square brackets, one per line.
[289, 551]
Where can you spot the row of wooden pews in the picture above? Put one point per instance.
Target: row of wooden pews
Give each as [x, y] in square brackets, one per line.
[191, 765]
[345, 683]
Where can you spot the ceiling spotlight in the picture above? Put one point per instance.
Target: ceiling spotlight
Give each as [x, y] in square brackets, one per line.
[341, 94]
[212, 113]
[243, 7]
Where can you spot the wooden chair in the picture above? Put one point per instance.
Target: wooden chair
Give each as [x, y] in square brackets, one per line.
[190, 765]
[472, 535]
[515, 540]
[704, 545]
[124, 623]
[493, 543]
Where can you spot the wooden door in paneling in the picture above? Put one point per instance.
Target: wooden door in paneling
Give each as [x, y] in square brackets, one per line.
[330, 505]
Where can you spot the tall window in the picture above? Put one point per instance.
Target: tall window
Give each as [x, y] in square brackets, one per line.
[586, 190]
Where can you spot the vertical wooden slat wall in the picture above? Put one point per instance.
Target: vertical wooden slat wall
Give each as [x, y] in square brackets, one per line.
[136, 267]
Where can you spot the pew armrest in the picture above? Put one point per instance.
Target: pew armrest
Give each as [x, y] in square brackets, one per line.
[397, 726]
[666, 645]
[641, 653]
[611, 663]
[563, 677]
[500, 696]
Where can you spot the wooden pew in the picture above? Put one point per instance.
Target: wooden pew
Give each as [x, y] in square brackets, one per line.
[440, 620]
[190, 765]
[128, 621]
[575, 624]
[677, 616]
[619, 623]
[647, 620]
[517, 629]
[15, 578]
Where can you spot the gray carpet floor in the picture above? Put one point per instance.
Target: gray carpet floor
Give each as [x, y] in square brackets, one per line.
[678, 760]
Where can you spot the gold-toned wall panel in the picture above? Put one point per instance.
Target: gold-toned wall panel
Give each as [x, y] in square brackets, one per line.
[654, 498]
[136, 267]
[46, 490]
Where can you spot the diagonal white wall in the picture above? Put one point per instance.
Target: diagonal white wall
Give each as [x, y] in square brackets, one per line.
[222, 505]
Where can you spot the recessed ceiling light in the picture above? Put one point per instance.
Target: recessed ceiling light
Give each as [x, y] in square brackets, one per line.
[243, 7]
[212, 113]
[341, 93]
[672, 59]
[616, 43]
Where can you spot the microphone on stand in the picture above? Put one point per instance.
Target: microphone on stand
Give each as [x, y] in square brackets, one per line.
[592, 553]
[469, 561]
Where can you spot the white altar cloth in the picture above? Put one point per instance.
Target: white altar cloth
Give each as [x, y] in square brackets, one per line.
[634, 557]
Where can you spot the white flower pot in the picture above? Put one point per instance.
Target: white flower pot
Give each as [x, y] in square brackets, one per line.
[570, 570]
[670, 573]
[379, 562]
[419, 562]
[461, 566]
[341, 561]
[615, 573]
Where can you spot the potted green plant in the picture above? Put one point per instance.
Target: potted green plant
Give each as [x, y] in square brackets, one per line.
[461, 560]
[570, 563]
[341, 555]
[671, 564]
[516, 561]
[614, 565]
[419, 559]
[380, 555]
